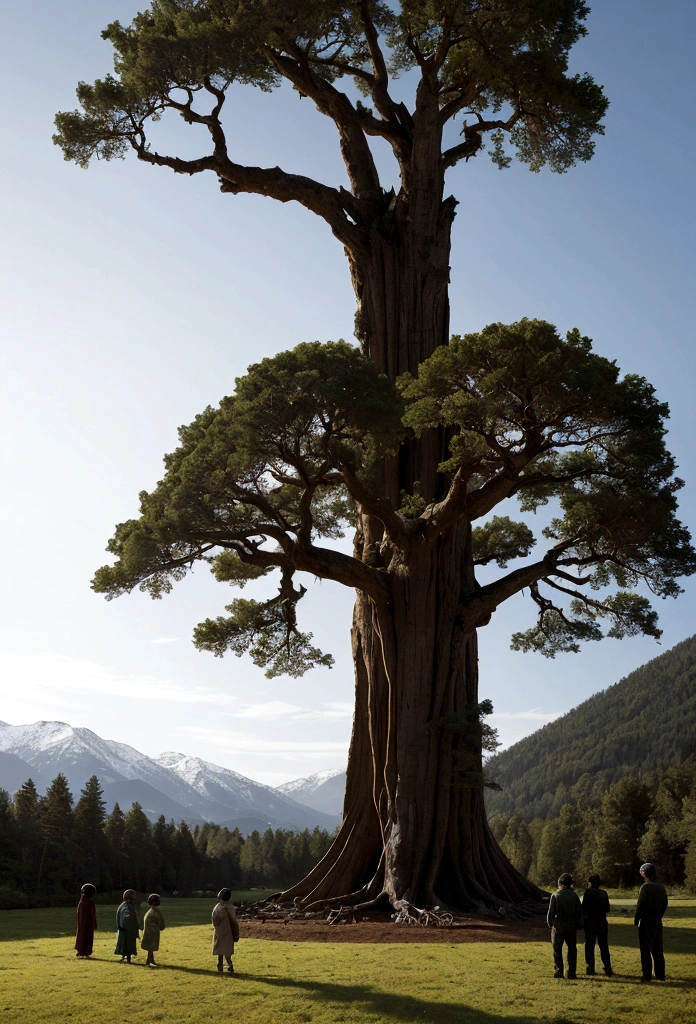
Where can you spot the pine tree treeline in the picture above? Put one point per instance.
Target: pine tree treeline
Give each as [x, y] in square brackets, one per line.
[48, 848]
[639, 818]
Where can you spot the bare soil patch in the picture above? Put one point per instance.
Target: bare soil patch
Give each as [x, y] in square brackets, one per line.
[379, 928]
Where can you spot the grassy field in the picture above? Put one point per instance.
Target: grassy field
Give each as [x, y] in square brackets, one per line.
[41, 981]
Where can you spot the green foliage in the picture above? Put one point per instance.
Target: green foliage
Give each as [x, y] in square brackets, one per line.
[625, 810]
[559, 422]
[509, 57]
[561, 842]
[267, 630]
[289, 457]
[517, 843]
[500, 540]
[262, 469]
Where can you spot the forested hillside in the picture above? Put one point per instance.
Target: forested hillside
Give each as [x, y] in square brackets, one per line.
[643, 724]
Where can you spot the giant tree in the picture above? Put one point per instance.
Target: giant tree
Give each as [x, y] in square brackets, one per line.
[481, 425]
[263, 484]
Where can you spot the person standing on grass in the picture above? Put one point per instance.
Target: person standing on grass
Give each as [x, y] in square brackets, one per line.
[86, 921]
[595, 907]
[128, 927]
[225, 930]
[565, 921]
[154, 924]
[652, 903]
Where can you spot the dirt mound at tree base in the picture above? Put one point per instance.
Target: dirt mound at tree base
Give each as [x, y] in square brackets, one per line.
[379, 928]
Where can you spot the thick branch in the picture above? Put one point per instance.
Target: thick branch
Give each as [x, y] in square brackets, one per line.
[333, 103]
[334, 565]
[380, 508]
[328, 203]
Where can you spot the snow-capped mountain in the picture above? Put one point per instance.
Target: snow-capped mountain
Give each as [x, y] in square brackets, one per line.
[323, 791]
[225, 787]
[53, 747]
[172, 784]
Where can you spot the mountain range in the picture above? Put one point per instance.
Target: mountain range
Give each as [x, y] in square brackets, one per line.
[323, 791]
[642, 724]
[173, 784]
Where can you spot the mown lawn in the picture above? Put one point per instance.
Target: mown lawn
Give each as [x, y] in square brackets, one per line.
[286, 982]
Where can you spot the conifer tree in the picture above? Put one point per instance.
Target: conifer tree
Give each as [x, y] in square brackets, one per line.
[114, 829]
[88, 830]
[25, 806]
[56, 822]
[419, 439]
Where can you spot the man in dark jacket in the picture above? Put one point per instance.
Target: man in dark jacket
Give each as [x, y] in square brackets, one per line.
[652, 903]
[595, 907]
[565, 920]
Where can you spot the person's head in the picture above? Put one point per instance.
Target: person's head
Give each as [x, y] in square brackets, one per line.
[594, 881]
[225, 895]
[129, 895]
[648, 872]
[154, 900]
[565, 881]
[88, 890]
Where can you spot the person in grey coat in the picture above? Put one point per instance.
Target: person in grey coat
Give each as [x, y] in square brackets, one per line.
[565, 921]
[154, 924]
[652, 903]
[225, 930]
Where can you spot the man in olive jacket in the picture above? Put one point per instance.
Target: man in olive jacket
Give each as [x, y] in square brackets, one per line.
[565, 921]
[652, 903]
[595, 907]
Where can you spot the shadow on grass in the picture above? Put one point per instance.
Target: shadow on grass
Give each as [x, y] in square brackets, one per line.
[399, 1007]
[624, 935]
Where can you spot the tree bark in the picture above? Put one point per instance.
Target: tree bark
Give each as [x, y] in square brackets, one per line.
[414, 823]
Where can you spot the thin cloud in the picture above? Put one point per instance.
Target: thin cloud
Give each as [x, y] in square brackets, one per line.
[533, 715]
[166, 640]
[57, 680]
[278, 711]
[231, 741]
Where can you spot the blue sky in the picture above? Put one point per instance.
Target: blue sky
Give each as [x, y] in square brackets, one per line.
[132, 298]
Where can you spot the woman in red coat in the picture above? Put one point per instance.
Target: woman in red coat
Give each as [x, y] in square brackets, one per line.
[86, 921]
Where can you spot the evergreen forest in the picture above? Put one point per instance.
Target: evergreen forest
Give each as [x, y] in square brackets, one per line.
[50, 846]
[610, 784]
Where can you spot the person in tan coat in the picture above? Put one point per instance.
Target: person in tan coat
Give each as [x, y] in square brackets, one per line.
[154, 924]
[225, 930]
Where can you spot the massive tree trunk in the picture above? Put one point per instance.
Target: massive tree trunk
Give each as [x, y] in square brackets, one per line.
[414, 819]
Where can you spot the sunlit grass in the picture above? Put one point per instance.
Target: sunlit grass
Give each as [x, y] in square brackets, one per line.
[465, 983]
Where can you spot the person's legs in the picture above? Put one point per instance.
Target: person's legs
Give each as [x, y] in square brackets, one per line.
[219, 964]
[230, 968]
[646, 934]
[590, 937]
[571, 942]
[603, 942]
[658, 953]
[557, 944]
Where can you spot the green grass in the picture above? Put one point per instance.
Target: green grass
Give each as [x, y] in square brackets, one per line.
[41, 981]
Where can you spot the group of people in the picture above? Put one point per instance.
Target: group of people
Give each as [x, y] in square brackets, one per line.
[129, 924]
[568, 915]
